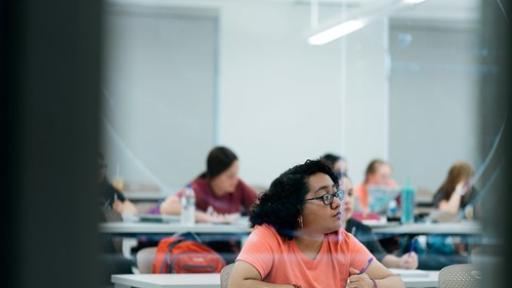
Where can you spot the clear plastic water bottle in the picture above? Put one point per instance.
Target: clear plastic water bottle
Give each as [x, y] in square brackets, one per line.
[188, 207]
[408, 202]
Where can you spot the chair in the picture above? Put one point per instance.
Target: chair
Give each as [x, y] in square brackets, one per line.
[224, 275]
[459, 276]
[145, 259]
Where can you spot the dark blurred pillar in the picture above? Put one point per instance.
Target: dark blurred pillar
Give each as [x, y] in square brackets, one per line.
[50, 101]
[494, 110]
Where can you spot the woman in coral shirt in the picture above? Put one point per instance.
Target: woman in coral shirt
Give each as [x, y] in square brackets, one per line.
[378, 173]
[298, 240]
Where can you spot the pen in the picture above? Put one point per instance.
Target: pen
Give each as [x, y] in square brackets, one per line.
[411, 248]
[366, 267]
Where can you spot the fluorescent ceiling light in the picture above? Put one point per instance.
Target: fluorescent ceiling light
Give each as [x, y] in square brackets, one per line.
[355, 20]
[336, 32]
[413, 1]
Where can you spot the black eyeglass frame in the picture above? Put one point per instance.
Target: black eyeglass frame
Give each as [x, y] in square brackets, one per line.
[328, 198]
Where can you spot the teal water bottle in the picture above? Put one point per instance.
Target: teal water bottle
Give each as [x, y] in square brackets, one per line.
[407, 203]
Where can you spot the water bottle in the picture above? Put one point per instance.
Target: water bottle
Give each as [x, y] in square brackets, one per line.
[392, 208]
[408, 203]
[188, 207]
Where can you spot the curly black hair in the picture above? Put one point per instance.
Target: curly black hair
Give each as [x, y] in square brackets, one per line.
[282, 204]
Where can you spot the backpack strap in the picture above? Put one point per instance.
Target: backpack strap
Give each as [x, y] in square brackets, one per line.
[168, 255]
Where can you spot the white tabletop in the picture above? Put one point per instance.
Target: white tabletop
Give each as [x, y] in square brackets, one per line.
[145, 196]
[167, 280]
[415, 278]
[456, 228]
[418, 278]
[131, 228]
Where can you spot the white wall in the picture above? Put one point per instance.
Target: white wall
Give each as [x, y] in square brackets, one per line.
[280, 97]
[160, 86]
[434, 100]
[281, 100]
[367, 105]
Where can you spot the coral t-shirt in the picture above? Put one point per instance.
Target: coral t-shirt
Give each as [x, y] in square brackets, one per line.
[281, 262]
[362, 192]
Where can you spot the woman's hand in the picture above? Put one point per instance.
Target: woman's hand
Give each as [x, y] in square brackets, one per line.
[357, 280]
[214, 217]
[409, 261]
[461, 188]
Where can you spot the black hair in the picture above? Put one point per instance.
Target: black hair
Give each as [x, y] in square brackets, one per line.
[282, 204]
[219, 160]
[331, 159]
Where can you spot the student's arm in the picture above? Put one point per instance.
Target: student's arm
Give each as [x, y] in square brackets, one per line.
[381, 275]
[407, 261]
[125, 207]
[453, 204]
[249, 196]
[171, 206]
[245, 275]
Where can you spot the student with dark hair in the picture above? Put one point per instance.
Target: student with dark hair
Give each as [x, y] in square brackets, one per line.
[364, 234]
[113, 204]
[337, 163]
[298, 241]
[110, 197]
[218, 190]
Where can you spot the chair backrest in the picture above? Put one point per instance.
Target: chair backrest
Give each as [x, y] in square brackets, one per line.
[224, 275]
[145, 259]
[459, 276]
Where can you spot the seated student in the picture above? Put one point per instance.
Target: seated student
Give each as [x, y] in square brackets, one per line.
[298, 240]
[452, 197]
[364, 234]
[113, 205]
[455, 193]
[378, 173]
[337, 163]
[110, 197]
[218, 189]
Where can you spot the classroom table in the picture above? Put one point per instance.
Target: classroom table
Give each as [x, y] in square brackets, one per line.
[414, 278]
[452, 228]
[145, 196]
[133, 229]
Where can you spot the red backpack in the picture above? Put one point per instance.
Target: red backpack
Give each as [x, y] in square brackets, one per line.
[178, 255]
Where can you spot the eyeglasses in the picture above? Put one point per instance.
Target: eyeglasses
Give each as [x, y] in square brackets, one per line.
[327, 199]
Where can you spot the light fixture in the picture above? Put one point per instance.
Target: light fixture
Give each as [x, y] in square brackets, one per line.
[357, 19]
[412, 2]
[336, 31]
